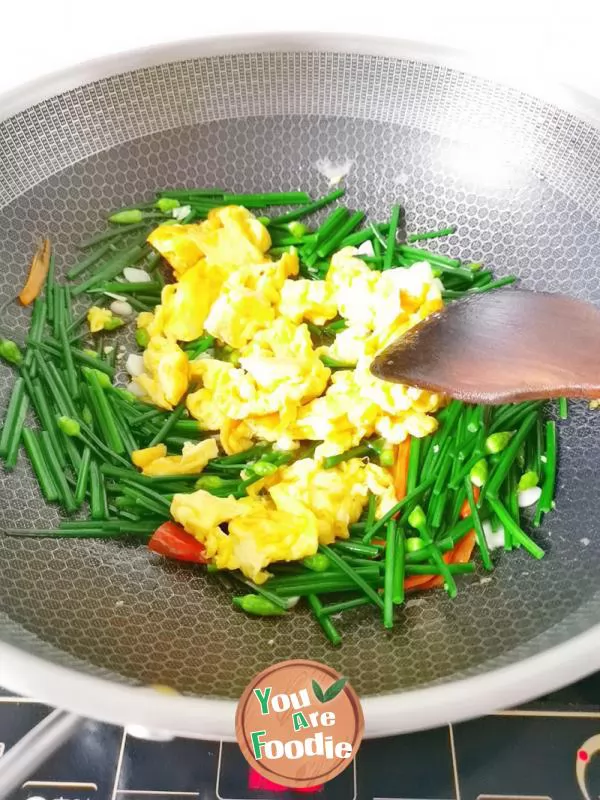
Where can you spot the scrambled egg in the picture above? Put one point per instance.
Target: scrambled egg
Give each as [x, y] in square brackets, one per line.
[230, 238]
[166, 375]
[193, 459]
[257, 534]
[305, 506]
[100, 319]
[279, 390]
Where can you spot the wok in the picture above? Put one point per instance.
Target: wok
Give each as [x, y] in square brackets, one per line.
[89, 625]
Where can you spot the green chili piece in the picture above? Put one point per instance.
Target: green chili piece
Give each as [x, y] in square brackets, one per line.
[478, 473]
[69, 426]
[528, 480]
[257, 606]
[10, 352]
[497, 442]
[316, 563]
[167, 203]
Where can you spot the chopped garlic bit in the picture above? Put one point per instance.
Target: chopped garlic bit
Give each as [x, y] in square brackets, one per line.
[136, 275]
[333, 171]
[135, 389]
[529, 497]
[366, 248]
[122, 308]
[494, 539]
[181, 212]
[134, 365]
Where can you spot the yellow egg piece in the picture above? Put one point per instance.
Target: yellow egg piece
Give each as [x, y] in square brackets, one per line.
[97, 318]
[194, 457]
[166, 375]
[202, 514]
[308, 300]
[188, 302]
[237, 315]
[335, 496]
[232, 236]
[268, 278]
[178, 245]
[266, 535]
[225, 393]
[141, 458]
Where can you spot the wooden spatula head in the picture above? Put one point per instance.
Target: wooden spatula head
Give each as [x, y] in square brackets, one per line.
[501, 347]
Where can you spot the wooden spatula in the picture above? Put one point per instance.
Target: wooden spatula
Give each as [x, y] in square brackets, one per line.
[501, 347]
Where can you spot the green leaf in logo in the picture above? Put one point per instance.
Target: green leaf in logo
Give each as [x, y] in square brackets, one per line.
[335, 689]
[318, 691]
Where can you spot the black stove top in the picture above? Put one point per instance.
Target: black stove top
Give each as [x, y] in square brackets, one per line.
[528, 753]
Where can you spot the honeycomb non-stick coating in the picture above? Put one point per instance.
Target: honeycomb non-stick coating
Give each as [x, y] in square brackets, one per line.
[519, 179]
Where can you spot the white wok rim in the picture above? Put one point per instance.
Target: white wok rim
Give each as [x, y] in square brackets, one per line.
[207, 718]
